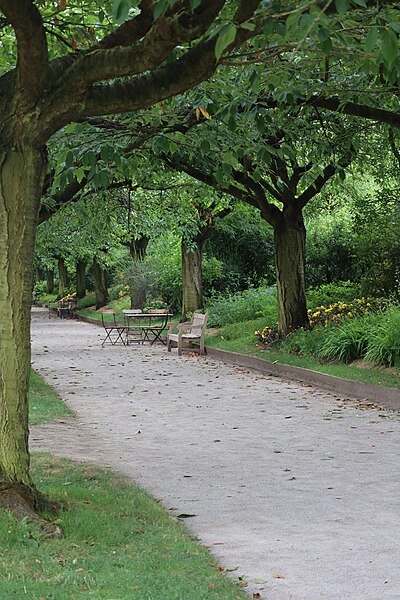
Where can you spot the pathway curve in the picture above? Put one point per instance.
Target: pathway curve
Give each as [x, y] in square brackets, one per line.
[291, 487]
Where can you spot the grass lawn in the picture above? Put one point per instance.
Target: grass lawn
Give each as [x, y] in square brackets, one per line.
[119, 544]
[240, 338]
[45, 404]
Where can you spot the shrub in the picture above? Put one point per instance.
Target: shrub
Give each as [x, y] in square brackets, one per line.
[47, 298]
[323, 295]
[335, 313]
[305, 342]
[346, 342]
[242, 306]
[88, 300]
[384, 341]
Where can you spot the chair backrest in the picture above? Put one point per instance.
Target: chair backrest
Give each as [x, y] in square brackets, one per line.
[132, 311]
[158, 311]
[105, 322]
[199, 322]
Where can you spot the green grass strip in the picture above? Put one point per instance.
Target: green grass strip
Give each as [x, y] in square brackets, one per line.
[45, 404]
[119, 544]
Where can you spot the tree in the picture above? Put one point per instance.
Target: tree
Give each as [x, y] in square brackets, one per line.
[132, 66]
[275, 163]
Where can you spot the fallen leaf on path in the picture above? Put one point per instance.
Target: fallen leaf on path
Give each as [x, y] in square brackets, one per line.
[276, 576]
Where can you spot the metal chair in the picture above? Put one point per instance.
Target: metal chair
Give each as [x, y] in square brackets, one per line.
[114, 332]
[133, 321]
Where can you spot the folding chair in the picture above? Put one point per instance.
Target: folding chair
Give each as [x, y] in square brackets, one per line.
[114, 332]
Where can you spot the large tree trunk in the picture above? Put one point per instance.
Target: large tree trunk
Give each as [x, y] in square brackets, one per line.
[62, 277]
[100, 279]
[49, 281]
[192, 279]
[21, 174]
[289, 240]
[80, 279]
[137, 276]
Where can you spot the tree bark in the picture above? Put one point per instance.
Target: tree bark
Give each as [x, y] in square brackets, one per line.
[19, 206]
[192, 279]
[49, 281]
[62, 277]
[290, 240]
[80, 279]
[100, 279]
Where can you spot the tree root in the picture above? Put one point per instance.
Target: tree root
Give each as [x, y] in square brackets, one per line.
[23, 501]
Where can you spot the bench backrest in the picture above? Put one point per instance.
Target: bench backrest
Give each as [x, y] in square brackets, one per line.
[199, 322]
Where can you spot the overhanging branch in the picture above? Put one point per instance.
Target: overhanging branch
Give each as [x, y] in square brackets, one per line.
[32, 64]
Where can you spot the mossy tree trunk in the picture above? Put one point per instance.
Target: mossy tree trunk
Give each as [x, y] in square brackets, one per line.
[62, 277]
[80, 279]
[100, 279]
[192, 278]
[290, 241]
[49, 281]
[19, 205]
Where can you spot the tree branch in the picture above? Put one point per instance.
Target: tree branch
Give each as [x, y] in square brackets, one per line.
[393, 146]
[145, 54]
[316, 187]
[335, 104]
[196, 65]
[32, 64]
[131, 30]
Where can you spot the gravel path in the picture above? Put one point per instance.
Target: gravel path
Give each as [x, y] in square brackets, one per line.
[292, 488]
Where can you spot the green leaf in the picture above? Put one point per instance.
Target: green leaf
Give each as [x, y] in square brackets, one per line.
[306, 24]
[390, 47]
[160, 8]
[326, 46]
[371, 39]
[107, 153]
[395, 26]
[101, 179]
[89, 159]
[69, 159]
[249, 26]
[194, 4]
[226, 36]
[120, 10]
[80, 174]
[205, 146]
[342, 6]
[323, 34]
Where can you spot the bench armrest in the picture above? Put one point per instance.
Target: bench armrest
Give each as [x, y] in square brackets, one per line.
[184, 326]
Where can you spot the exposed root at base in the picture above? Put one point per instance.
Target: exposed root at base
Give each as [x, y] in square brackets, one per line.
[23, 501]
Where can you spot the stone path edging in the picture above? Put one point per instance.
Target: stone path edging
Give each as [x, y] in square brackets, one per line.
[387, 397]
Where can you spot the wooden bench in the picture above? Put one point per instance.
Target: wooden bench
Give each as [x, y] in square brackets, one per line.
[188, 332]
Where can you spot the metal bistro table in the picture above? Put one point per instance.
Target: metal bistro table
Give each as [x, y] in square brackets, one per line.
[145, 327]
